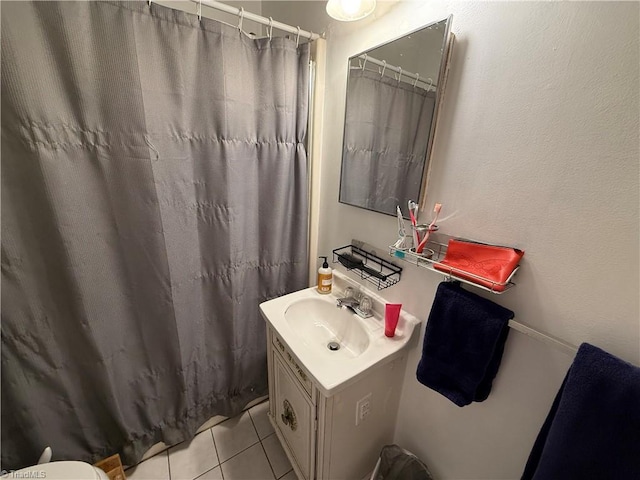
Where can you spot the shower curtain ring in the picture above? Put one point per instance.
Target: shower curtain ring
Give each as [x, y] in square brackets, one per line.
[430, 84]
[270, 28]
[416, 82]
[365, 62]
[298, 37]
[200, 11]
[384, 67]
[149, 2]
[241, 15]
[399, 75]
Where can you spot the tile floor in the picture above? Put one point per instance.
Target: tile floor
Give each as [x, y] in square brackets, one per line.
[240, 448]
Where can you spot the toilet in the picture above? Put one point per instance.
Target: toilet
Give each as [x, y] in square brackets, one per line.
[45, 468]
[64, 470]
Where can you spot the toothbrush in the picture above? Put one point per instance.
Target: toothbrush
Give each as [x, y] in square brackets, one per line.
[436, 209]
[411, 205]
[401, 231]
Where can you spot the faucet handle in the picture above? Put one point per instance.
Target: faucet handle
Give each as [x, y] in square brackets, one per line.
[349, 292]
[365, 305]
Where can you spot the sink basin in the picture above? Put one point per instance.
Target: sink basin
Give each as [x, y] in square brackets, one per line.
[309, 322]
[321, 325]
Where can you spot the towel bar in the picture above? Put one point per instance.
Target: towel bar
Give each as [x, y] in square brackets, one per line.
[544, 337]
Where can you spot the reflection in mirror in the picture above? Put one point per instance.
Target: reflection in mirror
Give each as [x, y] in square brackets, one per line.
[392, 96]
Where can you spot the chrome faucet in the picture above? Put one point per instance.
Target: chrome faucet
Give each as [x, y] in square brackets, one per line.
[357, 302]
[350, 302]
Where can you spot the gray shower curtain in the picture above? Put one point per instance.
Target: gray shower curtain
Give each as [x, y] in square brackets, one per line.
[386, 135]
[154, 192]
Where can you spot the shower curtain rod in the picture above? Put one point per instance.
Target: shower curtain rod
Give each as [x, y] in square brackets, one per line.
[242, 14]
[393, 68]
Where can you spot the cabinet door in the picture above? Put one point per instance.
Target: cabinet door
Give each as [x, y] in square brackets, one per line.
[295, 417]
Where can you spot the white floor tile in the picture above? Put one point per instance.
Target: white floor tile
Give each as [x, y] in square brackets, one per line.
[215, 474]
[234, 435]
[188, 460]
[251, 464]
[290, 476]
[277, 458]
[154, 450]
[260, 419]
[155, 468]
[212, 422]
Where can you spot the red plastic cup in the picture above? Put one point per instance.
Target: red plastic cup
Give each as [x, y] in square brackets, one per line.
[391, 316]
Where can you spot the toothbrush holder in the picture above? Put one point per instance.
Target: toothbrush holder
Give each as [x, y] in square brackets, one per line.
[423, 228]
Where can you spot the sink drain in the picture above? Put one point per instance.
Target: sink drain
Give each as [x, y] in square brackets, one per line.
[333, 346]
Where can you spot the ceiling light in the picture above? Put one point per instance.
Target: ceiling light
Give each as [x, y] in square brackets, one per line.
[350, 10]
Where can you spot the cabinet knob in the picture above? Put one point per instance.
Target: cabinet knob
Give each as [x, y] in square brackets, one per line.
[289, 416]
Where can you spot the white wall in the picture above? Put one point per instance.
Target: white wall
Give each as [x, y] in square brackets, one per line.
[309, 15]
[537, 148]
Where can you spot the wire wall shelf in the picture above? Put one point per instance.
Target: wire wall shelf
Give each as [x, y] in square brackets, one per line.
[434, 252]
[368, 266]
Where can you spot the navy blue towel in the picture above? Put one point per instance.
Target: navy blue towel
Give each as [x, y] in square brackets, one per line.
[463, 344]
[593, 428]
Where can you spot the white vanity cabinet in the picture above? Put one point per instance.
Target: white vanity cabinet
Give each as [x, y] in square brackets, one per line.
[337, 436]
[292, 407]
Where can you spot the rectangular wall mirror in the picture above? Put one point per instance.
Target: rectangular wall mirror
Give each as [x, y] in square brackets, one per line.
[393, 93]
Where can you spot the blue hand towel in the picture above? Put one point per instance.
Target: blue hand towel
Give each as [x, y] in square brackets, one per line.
[463, 344]
[593, 428]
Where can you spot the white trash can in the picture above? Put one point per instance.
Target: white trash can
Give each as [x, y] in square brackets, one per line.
[396, 463]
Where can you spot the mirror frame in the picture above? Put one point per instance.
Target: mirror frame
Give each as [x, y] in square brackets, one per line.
[447, 48]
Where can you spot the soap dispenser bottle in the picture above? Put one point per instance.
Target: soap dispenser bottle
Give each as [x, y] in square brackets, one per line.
[325, 277]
